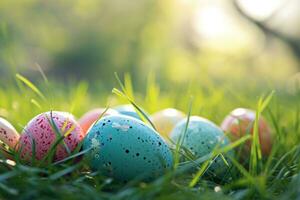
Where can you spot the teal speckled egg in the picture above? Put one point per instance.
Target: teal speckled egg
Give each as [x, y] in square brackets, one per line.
[125, 148]
[128, 110]
[201, 138]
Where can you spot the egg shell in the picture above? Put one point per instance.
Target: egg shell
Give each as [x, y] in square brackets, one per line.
[89, 118]
[9, 136]
[128, 110]
[42, 132]
[8, 133]
[125, 148]
[240, 122]
[165, 120]
[201, 138]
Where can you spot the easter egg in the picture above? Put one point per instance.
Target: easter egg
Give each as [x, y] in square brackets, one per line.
[89, 118]
[241, 121]
[44, 130]
[201, 138]
[128, 110]
[8, 135]
[125, 148]
[165, 120]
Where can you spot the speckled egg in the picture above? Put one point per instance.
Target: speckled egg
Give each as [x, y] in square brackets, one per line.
[240, 122]
[43, 133]
[8, 135]
[89, 118]
[128, 110]
[125, 148]
[201, 138]
[165, 120]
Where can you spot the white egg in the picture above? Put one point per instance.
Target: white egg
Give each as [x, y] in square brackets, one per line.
[8, 136]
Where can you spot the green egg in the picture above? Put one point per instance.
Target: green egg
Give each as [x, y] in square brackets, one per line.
[126, 148]
[201, 138]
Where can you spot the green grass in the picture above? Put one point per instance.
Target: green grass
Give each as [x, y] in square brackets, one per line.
[275, 177]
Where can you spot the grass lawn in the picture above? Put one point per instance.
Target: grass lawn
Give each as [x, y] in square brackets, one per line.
[273, 177]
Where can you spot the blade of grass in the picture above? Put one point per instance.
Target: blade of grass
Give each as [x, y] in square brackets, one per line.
[200, 172]
[266, 101]
[283, 158]
[100, 117]
[36, 103]
[48, 88]
[63, 172]
[69, 131]
[181, 139]
[275, 123]
[57, 131]
[9, 190]
[72, 156]
[152, 94]
[8, 175]
[79, 94]
[185, 167]
[124, 94]
[214, 154]
[50, 154]
[249, 178]
[30, 85]
[42, 73]
[58, 139]
[255, 153]
[140, 111]
[120, 83]
[128, 86]
[254, 157]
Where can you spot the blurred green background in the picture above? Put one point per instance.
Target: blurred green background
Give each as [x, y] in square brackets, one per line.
[177, 41]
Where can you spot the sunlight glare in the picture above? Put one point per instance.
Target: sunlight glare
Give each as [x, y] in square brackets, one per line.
[218, 28]
[258, 9]
[211, 22]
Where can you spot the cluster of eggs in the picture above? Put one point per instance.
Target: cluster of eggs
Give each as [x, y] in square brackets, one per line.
[120, 145]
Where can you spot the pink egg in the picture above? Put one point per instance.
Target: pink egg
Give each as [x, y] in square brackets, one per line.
[42, 131]
[8, 135]
[89, 118]
[241, 121]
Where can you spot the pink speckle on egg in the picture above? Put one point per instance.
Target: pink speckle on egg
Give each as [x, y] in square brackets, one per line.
[40, 130]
